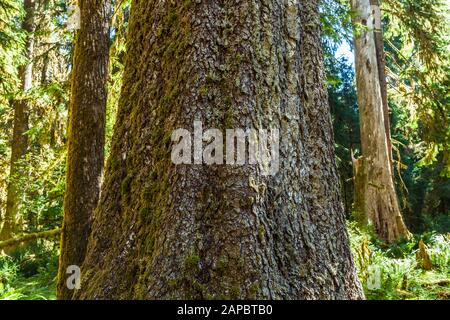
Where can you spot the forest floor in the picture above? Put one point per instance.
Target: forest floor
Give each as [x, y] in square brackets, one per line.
[394, 272]
[29, 274]
[386, 272]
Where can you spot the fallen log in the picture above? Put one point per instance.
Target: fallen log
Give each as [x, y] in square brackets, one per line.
[29, 237]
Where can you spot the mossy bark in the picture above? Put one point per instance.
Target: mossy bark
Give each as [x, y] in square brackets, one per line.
[19, 145]
[196, 231]
[374, 183]
[86, 134]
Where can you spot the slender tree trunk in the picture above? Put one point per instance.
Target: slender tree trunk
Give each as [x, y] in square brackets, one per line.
[19, 144]
[221, 231]
[86, 134]
[376, 199]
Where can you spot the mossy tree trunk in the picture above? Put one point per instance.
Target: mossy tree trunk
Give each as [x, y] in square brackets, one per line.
[197, 231]
[86, 134]
[19, 145]
[376, 198]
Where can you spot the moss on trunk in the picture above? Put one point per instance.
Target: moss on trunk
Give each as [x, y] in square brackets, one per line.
[86, 135]
[204, 232]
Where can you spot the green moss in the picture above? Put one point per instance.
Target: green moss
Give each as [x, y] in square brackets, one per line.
[222, 265]
[235, 293]
[261, 233]
[171, 17]
[238, 58]
[149, 245]
[237, 83]
[229, 114]
[113, 163]
[173, 283]
[199, 288]
[126, 185]
[145, 215]
[212, 77]
[191, 262]
[253, 290]
[203, 90]
[153, 176]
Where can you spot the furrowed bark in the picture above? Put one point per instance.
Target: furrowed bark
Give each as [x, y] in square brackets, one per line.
[163, 231]
[86, 134]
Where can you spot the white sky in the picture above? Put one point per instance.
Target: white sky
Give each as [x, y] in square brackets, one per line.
[345, 50]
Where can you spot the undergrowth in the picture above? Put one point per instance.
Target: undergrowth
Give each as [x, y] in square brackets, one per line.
[387, 272]
[29, 273]
[392, 272]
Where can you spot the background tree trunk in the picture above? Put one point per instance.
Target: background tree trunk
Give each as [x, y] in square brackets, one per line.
[19, 143]
[381, 63]
[373, 171]
[197, 231]
[86, 134]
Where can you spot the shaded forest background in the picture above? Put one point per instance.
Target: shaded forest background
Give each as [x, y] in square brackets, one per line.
[416, 42]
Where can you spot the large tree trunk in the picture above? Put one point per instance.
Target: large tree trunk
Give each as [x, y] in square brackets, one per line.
[221, 231]
[376, 199]
[86, 134]
[19, 144]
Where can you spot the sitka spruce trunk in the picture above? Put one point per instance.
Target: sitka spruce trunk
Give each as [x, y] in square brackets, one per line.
[167, 231]
[86, 137]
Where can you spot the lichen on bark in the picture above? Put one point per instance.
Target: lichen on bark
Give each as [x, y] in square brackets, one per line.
[205, 232]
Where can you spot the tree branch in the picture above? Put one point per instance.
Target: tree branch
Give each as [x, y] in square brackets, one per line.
[29, 237]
